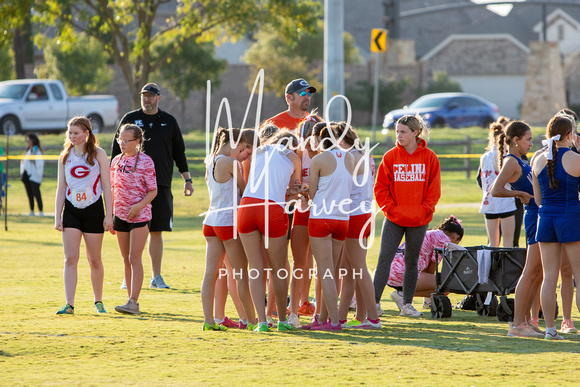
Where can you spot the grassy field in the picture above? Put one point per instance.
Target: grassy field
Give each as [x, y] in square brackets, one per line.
[165, 344]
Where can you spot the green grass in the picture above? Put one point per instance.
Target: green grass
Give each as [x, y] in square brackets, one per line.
[165, 345]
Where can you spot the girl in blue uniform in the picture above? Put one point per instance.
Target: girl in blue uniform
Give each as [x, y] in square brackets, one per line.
[556, 179]
[517, 138]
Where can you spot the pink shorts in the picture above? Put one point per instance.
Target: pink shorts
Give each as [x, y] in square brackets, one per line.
[320, 228]
[252, 217]
[223, 232]
[356, 224]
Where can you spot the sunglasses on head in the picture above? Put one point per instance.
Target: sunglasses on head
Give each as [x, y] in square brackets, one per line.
[304, 93]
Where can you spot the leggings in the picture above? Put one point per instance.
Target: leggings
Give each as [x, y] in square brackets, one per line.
[391, 237]
[33, 191]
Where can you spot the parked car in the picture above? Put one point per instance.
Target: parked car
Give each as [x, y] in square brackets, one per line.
[455, 110]
[44, 104]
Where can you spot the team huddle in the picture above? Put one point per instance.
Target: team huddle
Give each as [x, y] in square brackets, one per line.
[309, 184]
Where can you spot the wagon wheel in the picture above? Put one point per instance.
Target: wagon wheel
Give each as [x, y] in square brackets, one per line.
[485, 310]
[440, 306]
[505, 311]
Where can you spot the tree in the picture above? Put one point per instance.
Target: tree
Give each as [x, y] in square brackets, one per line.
[127, 29]
[390, 95]
[283, 60]
[180, 77]
[441, 83]
[82, 65]
[16, 30]
[6, 67]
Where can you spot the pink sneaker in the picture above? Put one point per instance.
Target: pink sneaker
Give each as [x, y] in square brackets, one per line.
[243, 326]
[229, 323]
[310, 326]
[327, 326]
[568, 326]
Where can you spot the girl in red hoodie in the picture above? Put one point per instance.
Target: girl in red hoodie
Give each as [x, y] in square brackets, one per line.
[407, 188]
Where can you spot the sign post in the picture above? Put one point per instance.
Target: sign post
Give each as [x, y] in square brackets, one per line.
[378, 45]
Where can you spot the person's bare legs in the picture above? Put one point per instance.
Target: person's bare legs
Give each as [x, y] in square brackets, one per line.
[214, 256]
[551, 256]
[326, 252]
[492, 229]
[508, 227]
[252, 243]
[93, 246]
[526, 289]
[155, 249]
[278, 259]
[566, 286]
[239, 265]
[221, 293]
[356, 254]
[299, 243]
[71, 242]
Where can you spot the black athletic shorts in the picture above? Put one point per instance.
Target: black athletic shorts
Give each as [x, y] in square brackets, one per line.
[503, 215]
[124, 226]
[162, 210]
[89, 219]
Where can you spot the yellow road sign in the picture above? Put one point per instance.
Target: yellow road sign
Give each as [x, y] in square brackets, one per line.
[378, 40]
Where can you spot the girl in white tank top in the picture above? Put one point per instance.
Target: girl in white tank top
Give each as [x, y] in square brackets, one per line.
[223, 171]
[82, 184]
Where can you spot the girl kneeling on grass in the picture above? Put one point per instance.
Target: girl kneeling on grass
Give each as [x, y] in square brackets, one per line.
[134, 186]
[226, 184]
[83, 174]
[449, 231]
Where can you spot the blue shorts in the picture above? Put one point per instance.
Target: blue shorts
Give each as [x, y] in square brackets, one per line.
[558, 229]
[531, 225]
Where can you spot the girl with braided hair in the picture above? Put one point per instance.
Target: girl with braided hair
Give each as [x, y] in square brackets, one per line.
[498, 212]
[556, 178]
[134, 186]
[516, 141]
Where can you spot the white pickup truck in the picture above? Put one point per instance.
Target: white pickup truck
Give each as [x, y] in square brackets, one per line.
[43, 104]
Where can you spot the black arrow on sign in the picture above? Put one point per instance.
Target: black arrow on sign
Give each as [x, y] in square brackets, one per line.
[377, 40]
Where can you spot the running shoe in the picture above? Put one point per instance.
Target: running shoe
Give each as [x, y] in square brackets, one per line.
[214, 327]
[99, 307]
[262, 327]
[554, 336]
[271, 322]
[130, 307]
[533, 323]
[327, 326]
[229, 323]
[397, 298]
[568, 326]
[313, 324]
[251, 326]
[523, 330]
[367, 324]
[242, 325]
[306, 309]
[426, 302]
[67, 309]
[294, 320]
[353, 323]
[284, 326]
[379, 310]
[409, 311]
[158, 283]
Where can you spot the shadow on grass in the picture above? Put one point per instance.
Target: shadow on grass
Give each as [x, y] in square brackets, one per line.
[5, 354]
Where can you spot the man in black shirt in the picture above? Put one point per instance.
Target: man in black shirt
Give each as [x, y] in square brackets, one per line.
[164, 144]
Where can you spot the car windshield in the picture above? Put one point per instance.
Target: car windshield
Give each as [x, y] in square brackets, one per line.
[12, 91]
[429, 102]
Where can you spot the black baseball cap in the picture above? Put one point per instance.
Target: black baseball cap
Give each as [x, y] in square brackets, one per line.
[298, 85]
[150, 88]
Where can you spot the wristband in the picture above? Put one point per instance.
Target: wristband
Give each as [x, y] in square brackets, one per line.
[188, 181]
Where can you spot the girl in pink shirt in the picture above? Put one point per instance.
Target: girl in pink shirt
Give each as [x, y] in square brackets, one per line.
[449, 231]
[134, 186]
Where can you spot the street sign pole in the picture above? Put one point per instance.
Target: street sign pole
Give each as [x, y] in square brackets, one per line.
[378, 45]
[376, 94]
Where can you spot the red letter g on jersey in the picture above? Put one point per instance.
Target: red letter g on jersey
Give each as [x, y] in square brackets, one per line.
[80, 171]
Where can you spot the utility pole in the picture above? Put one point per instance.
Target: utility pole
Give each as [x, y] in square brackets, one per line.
[334, 58]
[392, 19]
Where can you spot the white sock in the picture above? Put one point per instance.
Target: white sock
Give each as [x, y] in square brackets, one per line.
[245, 322]
[552, 331]
[219, 320]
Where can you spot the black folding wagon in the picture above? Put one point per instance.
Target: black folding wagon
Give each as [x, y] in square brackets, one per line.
[459, 274]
